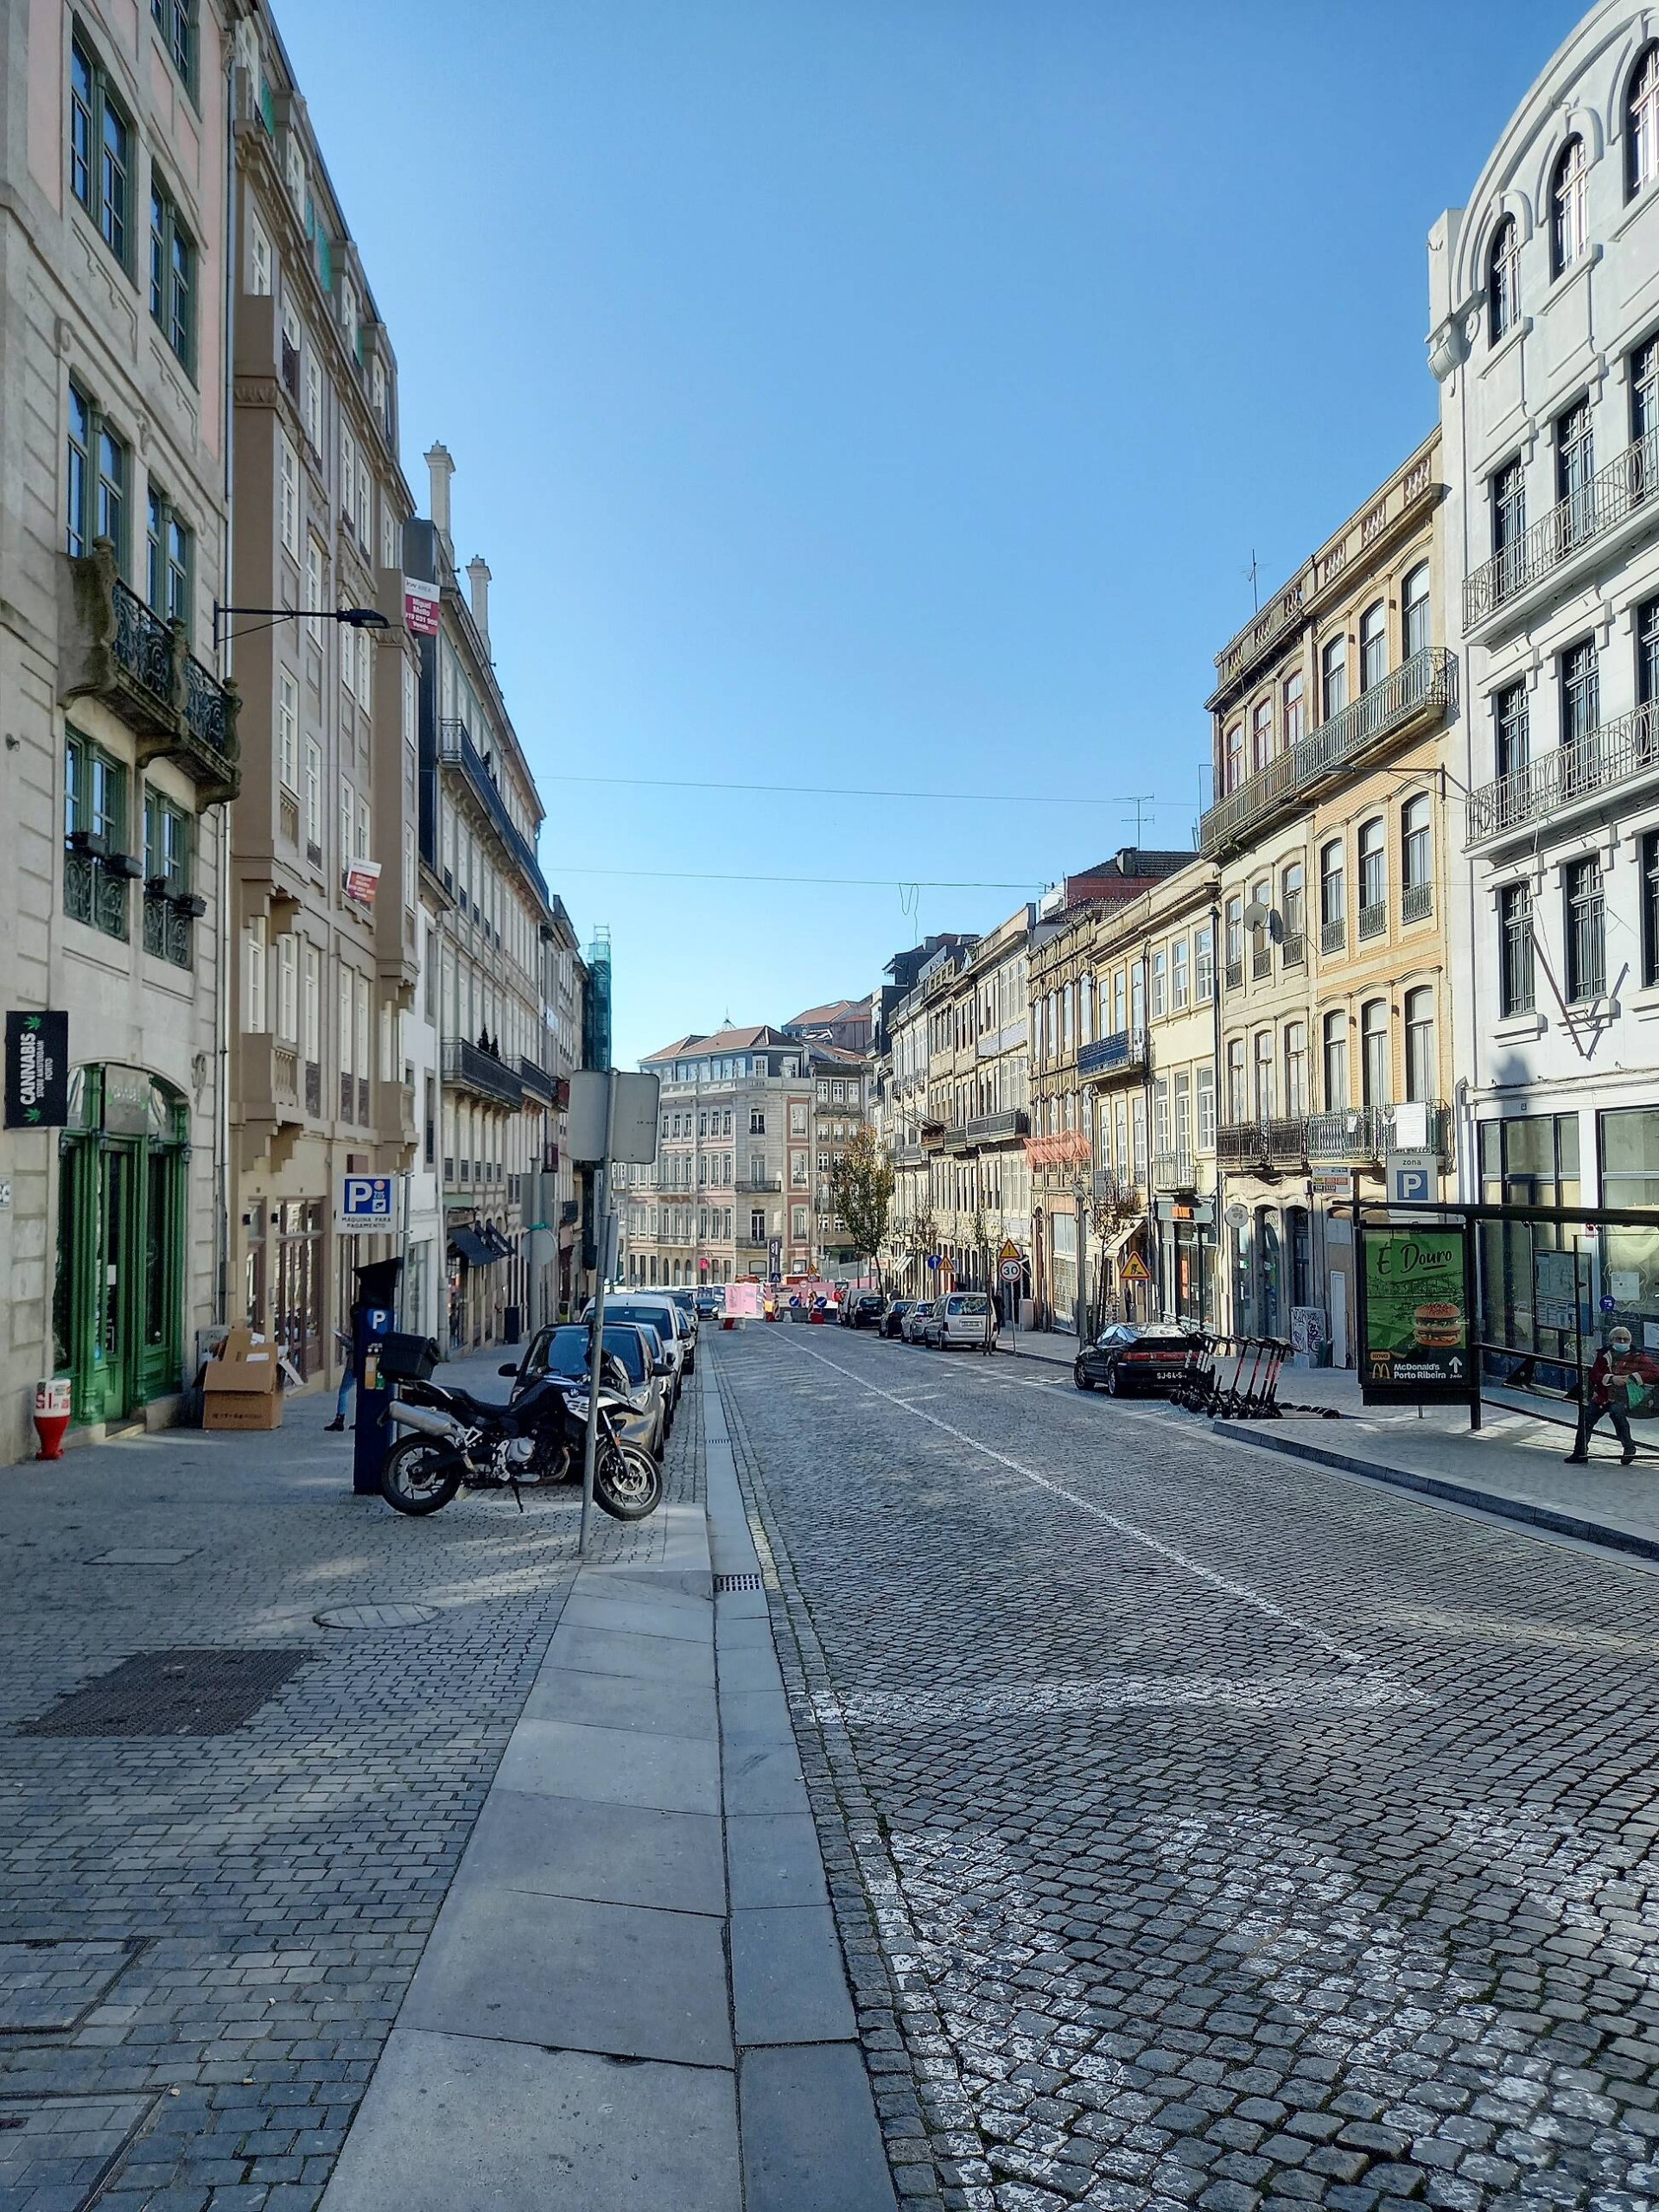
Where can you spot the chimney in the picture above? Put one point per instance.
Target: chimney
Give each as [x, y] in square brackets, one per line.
[441, 468]
[478, 582]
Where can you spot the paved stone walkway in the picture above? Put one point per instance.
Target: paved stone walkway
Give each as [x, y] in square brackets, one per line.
[204, 1940]
[1204, 1828]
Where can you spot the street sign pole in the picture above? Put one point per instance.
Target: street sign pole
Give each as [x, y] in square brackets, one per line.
[596, 1341]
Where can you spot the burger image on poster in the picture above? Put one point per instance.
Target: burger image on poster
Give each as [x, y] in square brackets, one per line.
[1437, 1326]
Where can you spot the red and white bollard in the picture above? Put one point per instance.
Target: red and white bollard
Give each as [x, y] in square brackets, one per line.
[52, 1415]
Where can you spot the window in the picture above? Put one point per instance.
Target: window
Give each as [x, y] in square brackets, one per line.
[1179, 976]
[316, 588]
[172, 275]
[1296, 1068]
[1510, 742]
[1515, 948]
[1334, 1050]
[1292, 906]
[1138, 997]
[1508, 497]
[177, 21]
[1373, 877]
[1373, 646]
[256, 958]
[94, 809]
[1580, 692]
[1569, 192]
[1159, 987]
[1235, 770]
[1261, 734]
[314, 801]
[1504, 279]
[1575, 464]
[1294, 718]
[100, 151]
[1416, 627]
[77, 475]
[1235, 942]
[1645, 406]
[1416, 860]
[1375, 1072]
[757, 1124]
[258, 258]
[314, 399]
[1422, 1075]
[360, 845]
[1261, 1090]
[1204, 979]
[288, 472]
[1333, 917]
[347, 474]
[167, 559]
[1642, 123]
[1629, 1170]
[166, 880]
[1586, 951]
[1333, 678]
[1238, 1099]
[288, 731]
[1206, 1101]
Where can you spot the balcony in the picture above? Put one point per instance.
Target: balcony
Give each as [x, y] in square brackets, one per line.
[468, 1067]
[116, 649]
[1124, 1052]
[1416, 902]
[1366, 1135]
[1596, 515]
[1419, 693]
[1173, 1171]
[456, 750]
[997, 1128]
[752, 1184]
[955, 1137]
[908, 1155]
[1607, 760]
[538, 1082]
[1293, 951]
[1333, 937]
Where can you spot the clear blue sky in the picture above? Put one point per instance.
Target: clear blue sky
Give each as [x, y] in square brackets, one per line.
[889, 392]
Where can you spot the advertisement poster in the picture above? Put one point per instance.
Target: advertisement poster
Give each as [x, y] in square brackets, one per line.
[1416, 1347]
[37, 1071]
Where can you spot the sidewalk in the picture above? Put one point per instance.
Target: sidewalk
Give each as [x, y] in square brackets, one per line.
[1512, 1466]
[634, 1994]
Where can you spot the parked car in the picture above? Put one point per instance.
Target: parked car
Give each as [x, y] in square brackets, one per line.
[630, 1364]
[687, 1302]
[1135, 1355]
[959, 1318]
[917, 1319]
[863, 1309]
[654, 1307]
[892, 1321]
[710, 1301]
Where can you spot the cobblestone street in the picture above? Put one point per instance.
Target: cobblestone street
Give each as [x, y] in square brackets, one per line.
[204, 1940]
[1203, 1827]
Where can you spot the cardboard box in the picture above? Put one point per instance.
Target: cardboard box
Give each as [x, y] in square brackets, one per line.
[241, 1385]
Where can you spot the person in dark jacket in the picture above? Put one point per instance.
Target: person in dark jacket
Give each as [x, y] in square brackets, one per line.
[1608, 1391]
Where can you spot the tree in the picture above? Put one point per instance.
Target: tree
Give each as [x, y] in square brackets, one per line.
[861, 1191]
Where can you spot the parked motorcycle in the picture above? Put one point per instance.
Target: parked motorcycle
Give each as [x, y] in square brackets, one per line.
[456, 1439]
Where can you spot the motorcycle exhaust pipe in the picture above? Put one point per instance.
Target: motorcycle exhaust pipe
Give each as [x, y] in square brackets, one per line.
[427, 1419]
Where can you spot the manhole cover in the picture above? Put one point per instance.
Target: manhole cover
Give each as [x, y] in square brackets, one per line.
[48, 1987]
[725, 1582]
[64, 2150]
[376, 1617]
[171, 1694]
[140, 1558]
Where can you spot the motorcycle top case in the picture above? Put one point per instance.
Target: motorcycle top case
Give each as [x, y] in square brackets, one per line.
[405, 1358]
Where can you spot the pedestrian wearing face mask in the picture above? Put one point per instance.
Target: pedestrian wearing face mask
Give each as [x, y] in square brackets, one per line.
[1619, 1371]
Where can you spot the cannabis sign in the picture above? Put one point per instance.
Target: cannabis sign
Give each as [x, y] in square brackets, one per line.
[1415, 1339]
[37, 1071]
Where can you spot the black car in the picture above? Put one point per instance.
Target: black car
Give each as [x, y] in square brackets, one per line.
[630, 1367]
[1136, 1356]
[892, 1321]
[863, 1309]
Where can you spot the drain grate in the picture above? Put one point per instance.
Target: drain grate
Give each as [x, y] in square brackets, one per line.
[387, 1615]
[725, 1582]
[171, 1694]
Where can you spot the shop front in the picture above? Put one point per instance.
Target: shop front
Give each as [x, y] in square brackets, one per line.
[123, 1204]
[1186, 1239]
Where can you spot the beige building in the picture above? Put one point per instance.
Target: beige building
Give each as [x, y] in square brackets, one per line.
[326, 907]
[980, 1182]
[841, 1086]
[121, 742]
[1329, 828]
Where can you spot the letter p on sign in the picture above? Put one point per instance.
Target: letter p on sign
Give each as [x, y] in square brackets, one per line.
[364, 1204]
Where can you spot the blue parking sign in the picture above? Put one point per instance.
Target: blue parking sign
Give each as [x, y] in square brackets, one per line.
[366, 1204]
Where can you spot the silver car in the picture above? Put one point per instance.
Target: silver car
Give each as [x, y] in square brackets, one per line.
[962, 1317]
[916, 1319]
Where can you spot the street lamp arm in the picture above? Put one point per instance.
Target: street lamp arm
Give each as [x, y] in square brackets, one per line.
[355, 618]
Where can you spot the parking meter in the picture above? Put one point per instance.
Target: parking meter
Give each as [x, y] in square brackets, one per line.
[374, 1318]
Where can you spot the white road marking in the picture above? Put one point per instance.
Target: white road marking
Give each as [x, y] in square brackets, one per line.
[1239, 1590]
[1112, 1693]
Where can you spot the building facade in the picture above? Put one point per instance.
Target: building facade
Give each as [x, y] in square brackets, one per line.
[1545, 310]
[121, 743]
[1329, 829]
[326, 898]
[980, 1181]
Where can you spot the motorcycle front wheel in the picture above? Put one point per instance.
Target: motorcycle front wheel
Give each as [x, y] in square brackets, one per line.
[419, 1475]
[627, 1482]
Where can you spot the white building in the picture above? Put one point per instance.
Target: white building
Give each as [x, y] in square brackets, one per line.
[1544, 339]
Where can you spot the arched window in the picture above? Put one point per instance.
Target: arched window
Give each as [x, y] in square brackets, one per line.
[1642, 123]
[1234, 765]
[1504, 279]
[1335, 1055]
[1414, 609]
[1569, 192]
[1375, 1071]
[1421, 1070]
[1373, 646]
[1261, 736]
[1373, 878]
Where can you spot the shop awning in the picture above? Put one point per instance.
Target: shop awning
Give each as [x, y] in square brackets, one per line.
[1112, 1247]
[500, 1245]
[473, 1247]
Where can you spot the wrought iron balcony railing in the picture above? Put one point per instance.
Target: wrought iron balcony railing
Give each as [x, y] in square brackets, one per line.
[1173, 1171]
[470, 1068]
[1420, 689]
[996, 1129]
[539, 1081]
[1609, 497]
[455, 746]
[1123, 1052]
[1617, 754]
[122, 652]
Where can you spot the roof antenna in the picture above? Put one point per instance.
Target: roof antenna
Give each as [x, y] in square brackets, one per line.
[1255, 575]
